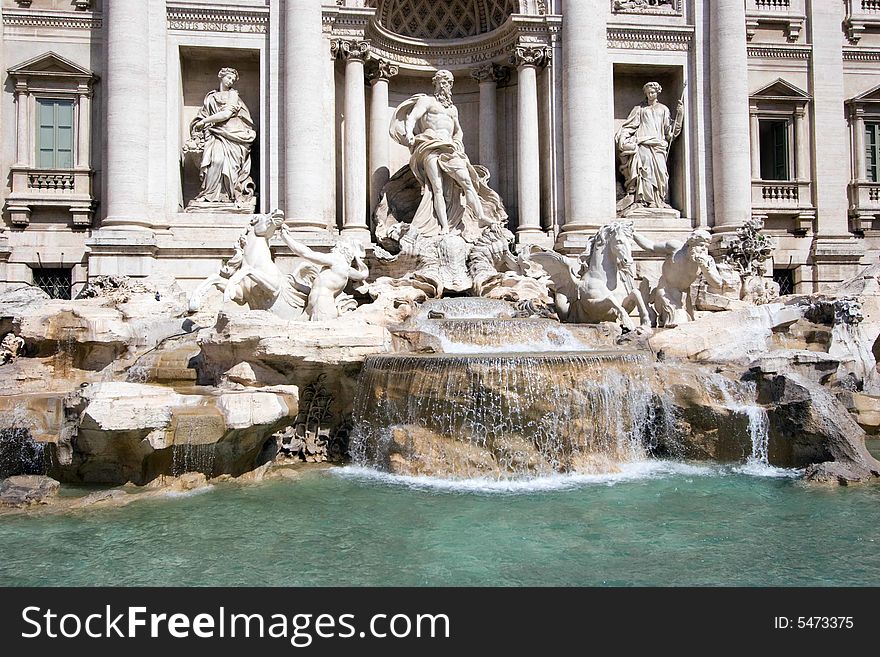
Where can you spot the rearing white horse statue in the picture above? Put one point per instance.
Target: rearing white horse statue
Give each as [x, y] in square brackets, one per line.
[601, 286]
[251, 276]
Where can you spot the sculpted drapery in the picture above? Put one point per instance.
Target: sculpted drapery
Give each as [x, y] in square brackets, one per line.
[643, 143]
[455, 193]
[225, 125]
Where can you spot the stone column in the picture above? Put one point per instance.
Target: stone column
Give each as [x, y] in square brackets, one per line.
[23, 140]
[380, 73]
[83, 131]
[303, 70]
[802, 144]
[755, 133]
[354, 169]
[860, 163]
[731, 161]
[127, 85]
[527, 61]
[831, 139]
[588, 99]
[489, 76]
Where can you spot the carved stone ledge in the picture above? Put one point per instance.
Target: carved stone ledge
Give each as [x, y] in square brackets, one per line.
[780, 52]
[213, 19]
[50, 19]
[792, 24]
[641, 38]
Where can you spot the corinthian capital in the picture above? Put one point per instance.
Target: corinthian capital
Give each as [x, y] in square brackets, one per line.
[526, 56]
[381, 69]
[345, 49]
[491, 72]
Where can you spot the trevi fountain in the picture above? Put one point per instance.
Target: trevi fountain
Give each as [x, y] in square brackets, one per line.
[449, 407]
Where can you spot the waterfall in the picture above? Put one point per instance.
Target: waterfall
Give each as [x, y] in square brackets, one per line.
[465, 336]
[192, 458]
[190, 455]
[20, 453]
[509, 415]
[739, 397]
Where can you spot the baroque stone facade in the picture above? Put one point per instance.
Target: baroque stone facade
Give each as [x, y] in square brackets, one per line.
[781, 123]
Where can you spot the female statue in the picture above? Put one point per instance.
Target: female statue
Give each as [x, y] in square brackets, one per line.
[223, 131]
[643, 143]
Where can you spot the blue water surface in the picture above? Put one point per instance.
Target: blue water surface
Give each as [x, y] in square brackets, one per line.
[663, 524]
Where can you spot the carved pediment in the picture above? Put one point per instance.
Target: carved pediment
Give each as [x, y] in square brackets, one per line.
[781, 90]
[872, 95]
[51, 64]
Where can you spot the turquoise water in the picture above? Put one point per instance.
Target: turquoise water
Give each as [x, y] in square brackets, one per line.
[656, 524]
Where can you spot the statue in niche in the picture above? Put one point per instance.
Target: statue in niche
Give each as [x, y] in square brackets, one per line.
[455, 193]
[643, 143]
[644, 6]
[313, 291]
[683, 263]
[223, 132]
[438, 220]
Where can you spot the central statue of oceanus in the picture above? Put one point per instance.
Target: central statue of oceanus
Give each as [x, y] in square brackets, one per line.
[455, 193]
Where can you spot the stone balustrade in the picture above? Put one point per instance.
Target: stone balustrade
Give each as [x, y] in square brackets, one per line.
[790, 15]
[861, 16]
[780, 194]
[864, 199]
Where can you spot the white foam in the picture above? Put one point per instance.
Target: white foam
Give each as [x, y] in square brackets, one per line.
[175, 494]
[756, 468]
[637, 471]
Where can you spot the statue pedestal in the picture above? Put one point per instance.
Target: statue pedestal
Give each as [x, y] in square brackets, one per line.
[221, 208]
[638, 214]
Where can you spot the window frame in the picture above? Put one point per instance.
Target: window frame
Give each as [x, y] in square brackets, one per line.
[39, 101]
[789, 146]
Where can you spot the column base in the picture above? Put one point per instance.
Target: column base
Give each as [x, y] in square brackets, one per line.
[528, 236]
[836, 259]
[357, 234]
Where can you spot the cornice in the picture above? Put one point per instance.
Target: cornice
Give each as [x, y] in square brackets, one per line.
[860, 54]
[72, 20]
[628, 37]
[201, 18]
[779, 52]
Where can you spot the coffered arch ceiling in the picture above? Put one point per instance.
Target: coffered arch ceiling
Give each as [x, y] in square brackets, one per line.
[450, 19]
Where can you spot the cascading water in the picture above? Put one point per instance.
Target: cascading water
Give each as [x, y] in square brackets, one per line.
[20, 453]
[503, 416]
[192, 458]
[190, 455]
[739, 397]
[460, 336]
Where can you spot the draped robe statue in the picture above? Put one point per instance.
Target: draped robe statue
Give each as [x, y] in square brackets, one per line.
[223, 131]
[643, 143]
[455, 193]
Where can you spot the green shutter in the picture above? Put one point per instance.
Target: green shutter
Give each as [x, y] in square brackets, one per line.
[871, 154]
[64, 134]
[55, 134]
[780, 150]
